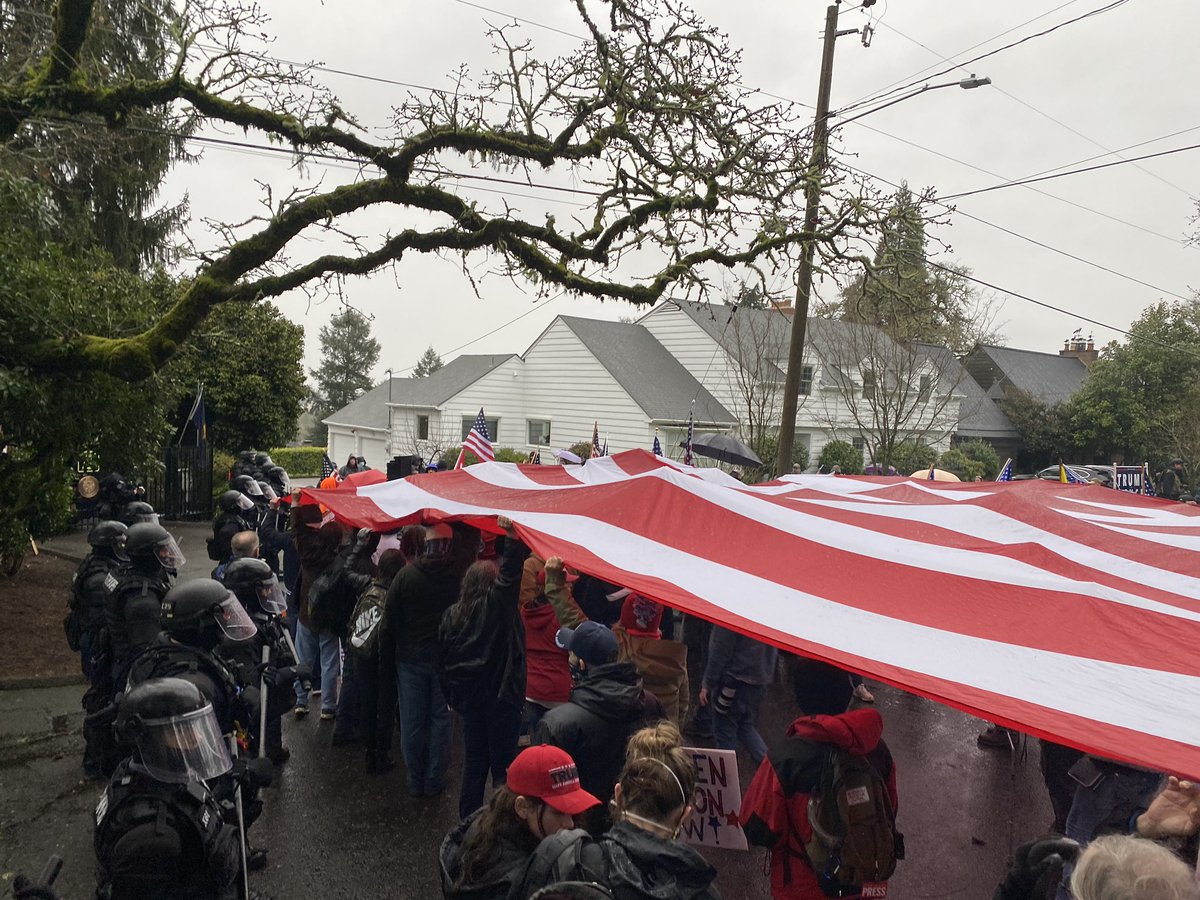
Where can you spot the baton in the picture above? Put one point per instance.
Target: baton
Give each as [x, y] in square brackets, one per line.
[237, 805]
[262, 703]
[307, 682]
[53, 866]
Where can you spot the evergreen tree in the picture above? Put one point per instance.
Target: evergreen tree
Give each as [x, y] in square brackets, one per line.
[429, 363]
[348, 354]
[102, 182]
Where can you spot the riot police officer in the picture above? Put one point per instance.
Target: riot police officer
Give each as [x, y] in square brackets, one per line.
[244, 464]
[87, 632]
[135, 592]
[138, 511]
[262, 461]
[196, 617]
[160, 831]
[261, 595]
[232, 519]
[278, 478]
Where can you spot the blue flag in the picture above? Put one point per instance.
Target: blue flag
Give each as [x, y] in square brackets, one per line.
[1148, 481]
[657, 446]
[1005, 471]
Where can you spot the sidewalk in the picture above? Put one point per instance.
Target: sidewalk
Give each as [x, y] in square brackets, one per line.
[191, 537]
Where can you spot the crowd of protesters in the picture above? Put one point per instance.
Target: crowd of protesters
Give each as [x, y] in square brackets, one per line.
[436, 620]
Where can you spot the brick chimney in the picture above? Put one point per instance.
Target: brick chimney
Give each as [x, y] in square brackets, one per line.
[1083, 350]
[786, 308]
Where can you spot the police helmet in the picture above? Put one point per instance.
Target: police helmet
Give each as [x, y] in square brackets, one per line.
[262, 460]
[235, 501]
[246, 484]
[194, 610]
[140, 511]
[174, 729]
[255, 585]
[149, 541]
[108, 535]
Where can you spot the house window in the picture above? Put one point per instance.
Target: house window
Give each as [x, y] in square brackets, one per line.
[926, 388]
[423, 428]
[868, 384]
[858, 443]
[493, 427]
[539, 432]
[806, 380]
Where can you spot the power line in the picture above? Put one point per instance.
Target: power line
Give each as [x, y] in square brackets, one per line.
[962, 162]
[1040, 112]
[887, 89]
[1034, 241]
[1096, 168]
[1095, 12]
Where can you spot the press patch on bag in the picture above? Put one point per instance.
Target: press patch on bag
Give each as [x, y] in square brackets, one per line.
[858, 795]
[876, 891]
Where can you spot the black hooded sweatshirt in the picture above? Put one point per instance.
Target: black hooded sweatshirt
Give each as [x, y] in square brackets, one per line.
[605, 708]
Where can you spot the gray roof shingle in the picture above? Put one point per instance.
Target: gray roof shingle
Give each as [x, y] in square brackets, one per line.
[452, 378]
[370, 410]
[979, 415]
[1045, 376]
[654, 379]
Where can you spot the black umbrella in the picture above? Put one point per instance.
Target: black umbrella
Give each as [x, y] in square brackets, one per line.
[724, 448]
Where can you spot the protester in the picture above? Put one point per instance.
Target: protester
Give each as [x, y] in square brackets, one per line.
[375, 665]
[736, 676]
[417, 599]
[640, 857]
[545, 602]
[317, 545]
[606, 707]
[656, 741]
[661, 663]
[482, 661]
[352, 466]
[776, 807]
[488, 852]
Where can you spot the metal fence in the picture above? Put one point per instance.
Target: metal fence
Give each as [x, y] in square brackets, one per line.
[183, 489]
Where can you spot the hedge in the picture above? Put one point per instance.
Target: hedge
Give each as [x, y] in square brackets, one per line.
[300, 462]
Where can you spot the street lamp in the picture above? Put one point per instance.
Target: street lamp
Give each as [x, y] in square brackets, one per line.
[967, 84]
[816, 166]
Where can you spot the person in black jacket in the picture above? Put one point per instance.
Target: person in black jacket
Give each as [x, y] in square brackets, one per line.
[606, 707]
[640, 857]
[482, 660]
[488, 851]
[416, 602]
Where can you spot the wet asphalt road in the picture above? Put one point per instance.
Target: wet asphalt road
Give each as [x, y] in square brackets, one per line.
[333, 831]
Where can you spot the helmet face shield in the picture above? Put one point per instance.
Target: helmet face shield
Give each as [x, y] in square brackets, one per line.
[183, 748]
[251, 488]
[268, 493]
[271, 597]
[235, 622]
[243, 502]
[169, 554]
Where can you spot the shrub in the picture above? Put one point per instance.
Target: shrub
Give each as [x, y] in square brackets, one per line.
[508, 454]
[956, 461]
[767, 448]
[583, 449]
[983, 453]
[843, 455]
[53, 509]
[449, 457]
[300, 462]
[910, 456]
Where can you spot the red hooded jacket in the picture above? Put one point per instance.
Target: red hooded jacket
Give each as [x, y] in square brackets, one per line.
[775, 807]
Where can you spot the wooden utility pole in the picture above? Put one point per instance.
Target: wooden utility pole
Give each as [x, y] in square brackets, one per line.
[812, 207]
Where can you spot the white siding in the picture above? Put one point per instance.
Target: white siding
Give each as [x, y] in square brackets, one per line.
[566, 384]
[500, 394]
[366, 442]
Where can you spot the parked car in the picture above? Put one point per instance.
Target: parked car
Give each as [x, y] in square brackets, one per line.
[1086, 474]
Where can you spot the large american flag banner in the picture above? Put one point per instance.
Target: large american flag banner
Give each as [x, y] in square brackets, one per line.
[1067, 611]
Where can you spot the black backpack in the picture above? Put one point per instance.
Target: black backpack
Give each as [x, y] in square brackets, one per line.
[333, 595]
[854, 845]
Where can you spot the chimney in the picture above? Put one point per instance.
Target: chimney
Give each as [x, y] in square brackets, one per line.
[1083, 350]
[786, 308]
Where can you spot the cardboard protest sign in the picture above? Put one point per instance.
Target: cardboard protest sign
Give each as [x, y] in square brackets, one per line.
[718, 801]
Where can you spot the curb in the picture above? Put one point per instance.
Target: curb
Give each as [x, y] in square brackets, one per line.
[24, 684]
[68, 555]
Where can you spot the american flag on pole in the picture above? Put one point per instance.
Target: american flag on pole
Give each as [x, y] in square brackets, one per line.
[1148, 481]
[657, 450]
[478, 442]
[596, 452]
[604, 449]
[327, 467]
[929, 586]
[1006, 472]
[688, 459]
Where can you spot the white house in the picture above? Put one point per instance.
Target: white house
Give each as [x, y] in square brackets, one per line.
[721, 367]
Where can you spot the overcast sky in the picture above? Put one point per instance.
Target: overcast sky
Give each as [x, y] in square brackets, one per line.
[1125, 77]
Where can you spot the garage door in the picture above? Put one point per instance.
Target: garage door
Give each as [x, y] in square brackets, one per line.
[374, 449]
